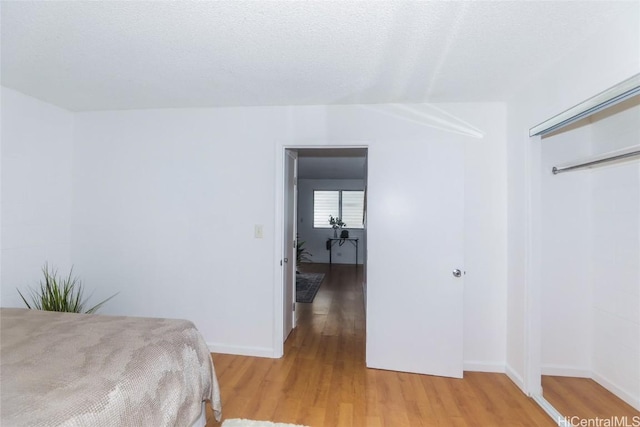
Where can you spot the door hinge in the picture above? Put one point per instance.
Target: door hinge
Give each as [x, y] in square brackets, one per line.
[294, 306]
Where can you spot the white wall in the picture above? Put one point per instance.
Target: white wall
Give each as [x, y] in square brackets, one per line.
[616, 258]
[613, 56]
[166, 204]
[315, 238]
[566, 257]
[167, 200]
[485, 319]
[161, 207]
[36, 192]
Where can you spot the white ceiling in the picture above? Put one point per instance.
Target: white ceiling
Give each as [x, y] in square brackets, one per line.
[88, 55]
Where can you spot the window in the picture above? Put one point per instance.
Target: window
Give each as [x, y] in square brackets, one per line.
[348, 205]
[352, 208]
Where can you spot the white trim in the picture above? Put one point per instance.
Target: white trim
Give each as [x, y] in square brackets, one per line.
[630, 399]
[475, 366]
[550, 410]
[515, 378]
[566, 371]
[242, 350]
[278, 238]
[533, 305]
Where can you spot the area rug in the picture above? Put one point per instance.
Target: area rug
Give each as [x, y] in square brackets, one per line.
[307, 285]
[237, 422]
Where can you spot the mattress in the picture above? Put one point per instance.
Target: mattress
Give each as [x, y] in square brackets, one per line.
[64, 369]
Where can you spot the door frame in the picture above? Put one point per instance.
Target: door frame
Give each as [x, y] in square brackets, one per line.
[290, 267]
[279, 282]
[532, 381]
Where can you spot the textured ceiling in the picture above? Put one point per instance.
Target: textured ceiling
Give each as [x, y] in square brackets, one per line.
[121, 55]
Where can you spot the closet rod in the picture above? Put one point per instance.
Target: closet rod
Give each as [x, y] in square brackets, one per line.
[605, 99]
[556, 170]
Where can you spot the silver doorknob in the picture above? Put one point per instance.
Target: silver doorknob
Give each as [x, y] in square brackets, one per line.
[457, 273]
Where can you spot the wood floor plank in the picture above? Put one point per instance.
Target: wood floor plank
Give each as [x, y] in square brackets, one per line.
[586, 399]
[323, 381]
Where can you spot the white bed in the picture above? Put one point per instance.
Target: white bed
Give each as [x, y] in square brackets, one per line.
[62, 369]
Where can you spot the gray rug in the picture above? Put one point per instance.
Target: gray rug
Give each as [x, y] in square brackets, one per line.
[307, 285]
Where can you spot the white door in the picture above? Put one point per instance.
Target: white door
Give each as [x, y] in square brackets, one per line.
[415, 217]
[290, 229]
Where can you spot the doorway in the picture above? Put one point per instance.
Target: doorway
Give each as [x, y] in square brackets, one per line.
[413, 254]
[320, 183]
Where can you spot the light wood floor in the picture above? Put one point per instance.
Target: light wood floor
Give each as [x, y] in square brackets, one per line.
[586, 399]
[322, 379]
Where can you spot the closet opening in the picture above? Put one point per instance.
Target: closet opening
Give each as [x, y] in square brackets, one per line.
[583, 278]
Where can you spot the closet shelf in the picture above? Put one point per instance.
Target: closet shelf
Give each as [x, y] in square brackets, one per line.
[612, 157]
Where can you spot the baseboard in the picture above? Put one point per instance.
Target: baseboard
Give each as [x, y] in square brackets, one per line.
[627, 397]
[515, 378]
[565, 371]
[474, 366]
[241, 350]
[547, 407]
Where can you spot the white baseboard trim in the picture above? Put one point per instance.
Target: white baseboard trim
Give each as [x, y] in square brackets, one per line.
[517, 379]
[547, 407]
[474, 366]
[565, 371]
[622, 394]
[241, 350]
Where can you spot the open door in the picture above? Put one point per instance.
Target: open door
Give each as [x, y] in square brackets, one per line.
[290, 231]
[415, 264]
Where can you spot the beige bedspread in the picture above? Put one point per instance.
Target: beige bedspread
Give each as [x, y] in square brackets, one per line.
[61, 369]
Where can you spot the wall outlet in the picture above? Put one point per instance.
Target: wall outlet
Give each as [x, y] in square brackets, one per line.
[258, 232]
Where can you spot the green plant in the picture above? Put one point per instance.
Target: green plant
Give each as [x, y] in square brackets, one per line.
[336, 222]
[60, 294]
[302, 254]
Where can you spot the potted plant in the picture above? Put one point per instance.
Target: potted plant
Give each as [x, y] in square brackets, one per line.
[336, 223]
[60, 294]
[302, 254]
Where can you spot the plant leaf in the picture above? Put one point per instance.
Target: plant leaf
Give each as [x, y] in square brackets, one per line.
[59, 293]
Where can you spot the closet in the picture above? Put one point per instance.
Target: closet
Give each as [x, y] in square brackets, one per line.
[585, 256]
